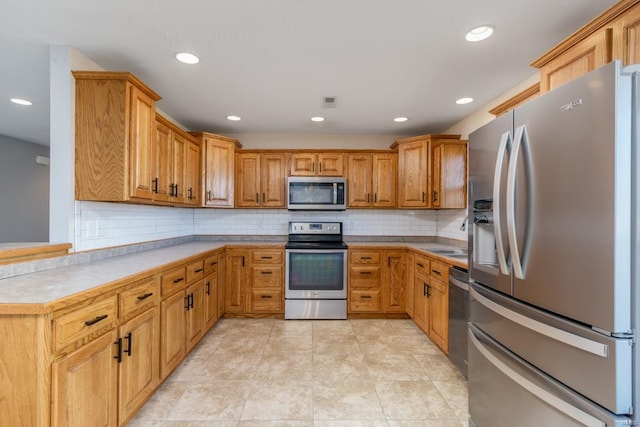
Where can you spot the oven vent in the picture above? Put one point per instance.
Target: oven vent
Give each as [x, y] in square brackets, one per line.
[329, 102]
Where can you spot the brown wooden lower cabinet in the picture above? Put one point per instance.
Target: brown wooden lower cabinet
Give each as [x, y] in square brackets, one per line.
[173, 345]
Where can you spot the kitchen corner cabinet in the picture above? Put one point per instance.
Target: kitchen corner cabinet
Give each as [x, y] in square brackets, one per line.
[260, 180]
[316, 164]
[432, 172]
[218, 159]
[115, 129]
[372, 180]
[431, 299]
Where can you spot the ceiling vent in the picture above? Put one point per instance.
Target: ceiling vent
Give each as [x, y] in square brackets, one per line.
[329, 102]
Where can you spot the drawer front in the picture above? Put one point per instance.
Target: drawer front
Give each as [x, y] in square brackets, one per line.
[364, 257]
[85, 321]
[422, 265]
[173, 280]
[266, 300]
[143, 295]
[364, 300]
[195, 271]
[210, 264]
[439, 271]
[267, 277]
[364, 276]
[266, 256]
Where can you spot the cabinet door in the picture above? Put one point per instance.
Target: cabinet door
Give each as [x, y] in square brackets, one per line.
[359, 180]
[236, 279]
[302, 164]
[161, 162]
[412, 178]
[409, 283]
[139, 371]
[585, 56]
[439, 315]
[626, 36]
[248, 180]
[192, 186]
[179, 157]
[420, 302]
[218, 171]
[172, 330]
[195, 313]
[211, 298]
[84, 385]
[142, 129]
[393, 282]
[449, 176]
[384, 176]
[330, 164]
[272, 179]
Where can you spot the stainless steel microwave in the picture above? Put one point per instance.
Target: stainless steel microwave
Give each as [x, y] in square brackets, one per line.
[316, 193]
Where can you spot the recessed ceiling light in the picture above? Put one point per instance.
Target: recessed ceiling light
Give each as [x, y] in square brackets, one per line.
[400, 119]
[187, 58]
[317, 119]
[21, 101]
[463, 101]
[478, 33]
[234, 118]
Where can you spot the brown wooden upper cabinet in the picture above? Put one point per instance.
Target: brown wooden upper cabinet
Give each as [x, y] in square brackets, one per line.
[432, 172]
[260, 180]
[316, 164]
[115, 130]
[611, 36]
[372, 180]
[218, 158]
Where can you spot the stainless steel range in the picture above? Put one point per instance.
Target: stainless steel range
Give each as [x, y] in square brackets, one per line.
[316, 271]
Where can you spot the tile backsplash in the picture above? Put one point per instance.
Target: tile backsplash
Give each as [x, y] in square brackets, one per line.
[100, 225]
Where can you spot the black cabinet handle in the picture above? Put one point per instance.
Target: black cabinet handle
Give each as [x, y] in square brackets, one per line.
[428, 290]
[420, 265]
[437, 272]
[186, 302]
[368, 197]
[129, 339]
[365, 296]
[198, 270]
[118, 355]
[435, 196]
[213, 263]
[365, 272]
[145, 296]
[191, 301]
[375, 197]
[243, 260]
[208, 285]
[175, 189]
[313, 167]
[423, 196]
[266, 257]
[190, 193]
[96, 320]
[266, 296]
[155, 185]
[208, 195]
[266, 272]
[178, 280]
[365, 257]
[424, 289]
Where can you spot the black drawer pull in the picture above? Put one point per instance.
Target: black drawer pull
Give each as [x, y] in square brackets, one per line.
[266, 296]
[365, 257]
[145, 296]
[199, 270]
[365, 296]
[129, 343]
[96, 320]
[118, 356]
[213, 263]
[178, 280]
[266, 272]
[420, 265]
[208, 285]
[437, 272]
[365, 272]
[266, 257]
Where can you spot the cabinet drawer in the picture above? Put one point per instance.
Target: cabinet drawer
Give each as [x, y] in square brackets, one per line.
[173, 280]
[266, 256]
[85, 321]
[422, 265]
[364, 276]
[364, 300]
[439, 271]
[267, 276]
[195, 271]
[266, 300]
[210, 264]
[137, 296]
[364, 257]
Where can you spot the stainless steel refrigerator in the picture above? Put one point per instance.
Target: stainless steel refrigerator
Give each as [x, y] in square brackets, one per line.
[553, 250]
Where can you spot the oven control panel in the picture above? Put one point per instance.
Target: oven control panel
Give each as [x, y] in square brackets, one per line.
[297, 227]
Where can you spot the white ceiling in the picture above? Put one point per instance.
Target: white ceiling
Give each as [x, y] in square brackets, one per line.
[272, 62]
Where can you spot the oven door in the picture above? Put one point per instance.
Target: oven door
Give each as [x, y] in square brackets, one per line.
[316, 274]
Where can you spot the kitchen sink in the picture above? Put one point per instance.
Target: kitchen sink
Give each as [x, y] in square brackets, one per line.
[453, 253]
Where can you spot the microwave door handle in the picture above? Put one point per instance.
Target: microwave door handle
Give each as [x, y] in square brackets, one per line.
[335, 193]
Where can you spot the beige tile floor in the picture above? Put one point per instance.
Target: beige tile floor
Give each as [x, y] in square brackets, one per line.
[343, 373]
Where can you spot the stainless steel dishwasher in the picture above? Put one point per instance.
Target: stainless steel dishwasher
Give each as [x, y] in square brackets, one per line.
[458, 317]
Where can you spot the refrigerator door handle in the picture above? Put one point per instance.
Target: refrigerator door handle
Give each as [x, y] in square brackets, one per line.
[542, 394]
[497, 230]
[565, 337]
[519, 139]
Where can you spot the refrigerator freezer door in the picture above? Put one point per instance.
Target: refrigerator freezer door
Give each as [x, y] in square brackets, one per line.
[562, 349]
[489, 149]
[571, 206]
[505, 391]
